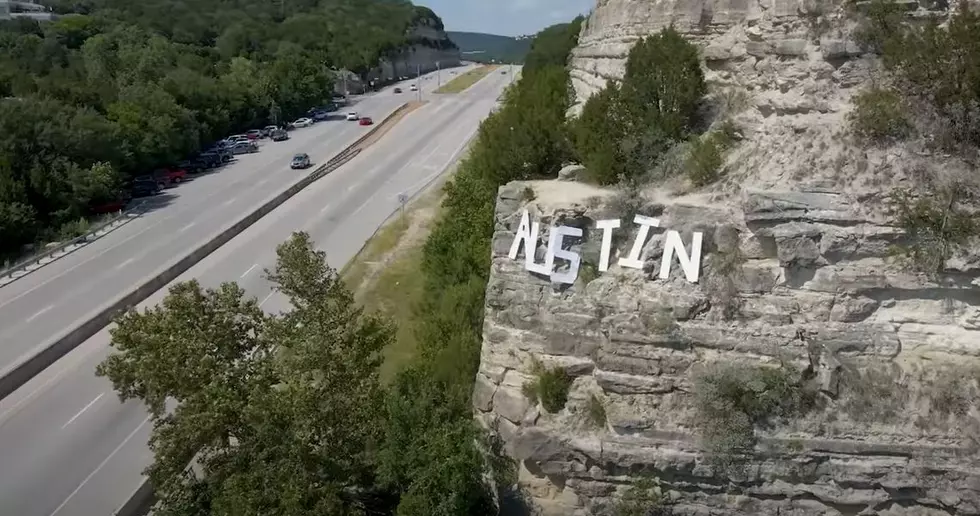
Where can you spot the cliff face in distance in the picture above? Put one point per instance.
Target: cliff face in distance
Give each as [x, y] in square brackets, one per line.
[429, 48]
[796, 269]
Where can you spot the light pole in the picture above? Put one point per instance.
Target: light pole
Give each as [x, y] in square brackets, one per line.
[418, 81]
[438, 75]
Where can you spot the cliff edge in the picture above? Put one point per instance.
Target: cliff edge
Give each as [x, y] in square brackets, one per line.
[616, 355]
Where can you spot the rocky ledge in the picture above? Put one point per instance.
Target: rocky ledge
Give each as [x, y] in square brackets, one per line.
[896, 356]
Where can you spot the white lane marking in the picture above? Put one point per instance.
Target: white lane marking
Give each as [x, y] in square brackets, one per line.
[250, 269]
[229, 201]
[266, 298]
[100, 466]
[38, 313]
[354, 185]
[80, 412]
[325, 208]
[185, 228]
[125, 263]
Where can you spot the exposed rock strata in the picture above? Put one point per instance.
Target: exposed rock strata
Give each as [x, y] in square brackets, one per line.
[814, 290]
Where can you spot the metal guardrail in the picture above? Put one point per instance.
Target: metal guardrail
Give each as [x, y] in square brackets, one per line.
[9, 275]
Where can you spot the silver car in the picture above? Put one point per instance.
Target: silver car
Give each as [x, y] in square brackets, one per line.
[244, 148]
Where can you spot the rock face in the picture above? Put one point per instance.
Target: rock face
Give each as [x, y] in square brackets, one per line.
[431, 48]
[896, 357]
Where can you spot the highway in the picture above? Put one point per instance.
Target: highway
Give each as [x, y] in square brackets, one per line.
[69, 448]
[36, 309]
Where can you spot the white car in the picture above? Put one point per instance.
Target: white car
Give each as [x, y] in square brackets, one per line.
[352, 117]
[303, 122]
[415, 88]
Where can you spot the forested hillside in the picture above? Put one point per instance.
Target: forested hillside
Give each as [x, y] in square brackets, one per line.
[483, 48]
[115, 88]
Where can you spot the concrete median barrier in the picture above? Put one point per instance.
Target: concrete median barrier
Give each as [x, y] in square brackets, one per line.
[20, 373]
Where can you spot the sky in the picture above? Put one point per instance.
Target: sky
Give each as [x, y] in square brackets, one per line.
[506, 17]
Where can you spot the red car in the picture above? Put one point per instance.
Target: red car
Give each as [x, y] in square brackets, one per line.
[365, 120]
[171, 175]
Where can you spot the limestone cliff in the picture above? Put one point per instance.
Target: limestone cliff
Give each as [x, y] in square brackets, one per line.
[895, 355]
[429, 48]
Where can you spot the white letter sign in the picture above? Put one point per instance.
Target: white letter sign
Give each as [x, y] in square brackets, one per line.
[607, 227]
[527, 232]
[690, 263]
[555, 250]
[633, 260]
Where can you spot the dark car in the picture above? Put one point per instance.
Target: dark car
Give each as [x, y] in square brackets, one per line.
[208, 159]
[144, 187]
[300, 161]
[215, 157]
[398, 90]
[320, 116]
[192, 166]
[279, 135]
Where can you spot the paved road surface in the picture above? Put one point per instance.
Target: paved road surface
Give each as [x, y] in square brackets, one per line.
[69, 448]
[42, 305]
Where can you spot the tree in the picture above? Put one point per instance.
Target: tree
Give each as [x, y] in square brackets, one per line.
[625, 129]
[282, 410]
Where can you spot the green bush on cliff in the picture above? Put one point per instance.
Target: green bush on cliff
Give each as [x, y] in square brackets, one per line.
[625, 129]
[935, 69]
[733, 400]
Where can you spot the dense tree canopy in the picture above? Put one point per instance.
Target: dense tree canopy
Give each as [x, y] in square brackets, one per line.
[116, 88]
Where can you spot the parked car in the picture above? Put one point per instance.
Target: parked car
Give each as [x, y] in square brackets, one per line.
[254, 134]
[170, 176]
[352, 117]
[209, 159]
[398, 90]
[320, 116]
[144, 187]
[267, 130]
[279, 135]
[217, 155]
[300, 161]
[192, 166]
[366, 120]
[245, 148]
[302, 122]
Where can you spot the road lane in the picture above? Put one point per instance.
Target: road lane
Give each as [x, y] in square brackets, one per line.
[89, 466]
[36, 309]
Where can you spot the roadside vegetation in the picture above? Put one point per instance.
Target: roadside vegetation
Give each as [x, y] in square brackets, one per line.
[116, 89]
[288, 413]
[929, 95]
[464, 81]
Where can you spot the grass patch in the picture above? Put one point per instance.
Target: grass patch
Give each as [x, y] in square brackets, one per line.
[385, 277]
[466, 80]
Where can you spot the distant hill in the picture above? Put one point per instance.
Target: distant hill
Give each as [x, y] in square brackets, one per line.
[483, 48]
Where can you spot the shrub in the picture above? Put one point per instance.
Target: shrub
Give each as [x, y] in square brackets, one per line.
[597, 134]
[879, 115]
[936, 225]
[550, 387]
[732, 400]
[643, 498]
